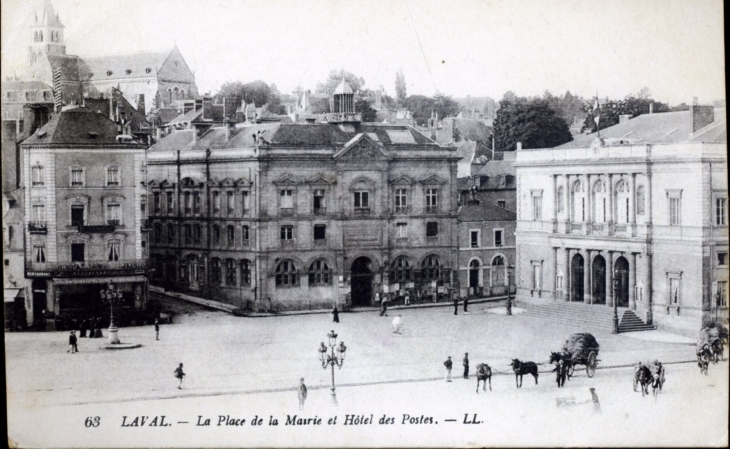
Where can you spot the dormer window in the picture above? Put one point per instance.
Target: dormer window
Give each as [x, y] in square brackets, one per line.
[109, 73]
[129, 72]
[148, 70]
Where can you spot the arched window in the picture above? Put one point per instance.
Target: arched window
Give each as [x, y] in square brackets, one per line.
[245, 272]
[40, 36]
[320, 273]
[230, 272]
[215, 271]
[600, 202]
[286, 274]
[578, 202]
[498, 261]
[640, 200]
[33, 58]
[169, 95]
[400, 270]
[431, 268]
[176, 94]
[182, 94]
[622, 202]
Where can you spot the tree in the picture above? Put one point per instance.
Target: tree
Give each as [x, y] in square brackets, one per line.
[366, 110]
[421, 107]
[257, 92]
[334, 80]
[632, 105]
[400, 87]
[530, 121]
[445, 105]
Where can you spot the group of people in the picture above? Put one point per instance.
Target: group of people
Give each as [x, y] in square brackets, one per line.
[466, 306]
[449, 365]
[93, 325]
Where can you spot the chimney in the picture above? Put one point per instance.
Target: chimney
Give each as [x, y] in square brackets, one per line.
[623, 118]
[701, 115]
[188, 106]
[519, 146]
[695, 101]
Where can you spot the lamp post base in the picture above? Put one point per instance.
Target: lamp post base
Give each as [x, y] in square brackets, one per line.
[113, 337]
[615, 324]
[333, 396]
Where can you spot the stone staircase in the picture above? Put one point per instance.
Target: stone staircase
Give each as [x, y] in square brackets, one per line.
[584, 316]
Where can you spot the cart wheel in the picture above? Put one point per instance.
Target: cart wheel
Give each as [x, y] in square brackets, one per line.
[591, 364]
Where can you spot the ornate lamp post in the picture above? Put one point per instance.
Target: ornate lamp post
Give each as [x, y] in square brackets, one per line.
[615, 304]
[111, 296]
[333, 358]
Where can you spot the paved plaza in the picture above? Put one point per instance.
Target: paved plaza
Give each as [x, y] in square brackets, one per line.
[248, 366]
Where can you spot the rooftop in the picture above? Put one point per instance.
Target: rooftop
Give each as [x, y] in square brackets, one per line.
[485, 212]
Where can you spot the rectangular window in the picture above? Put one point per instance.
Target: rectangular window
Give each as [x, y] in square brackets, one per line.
[287, 233]
[502, 203]
[156, 202]
[244, 202]
[474, 239]
[287, 201]
[39, 214]
[674, 211]
[432, 200]
[401, 200]
[216, 234]
[188, 203]
[721, 259]
[197, 235]
[230, 235]
[318, 203]
[114, 214]
[720, 211]
[216, 202]
[674, 291]
[113, 249]
[401, 230]
[198, 199]
[245, 234]
[188, 235]
[230, 272]
[112, 176]
[38, 175]
[170, 233]
[498, 237]
[230, 203]
[320, 232]
[170, 203]
[77, 252]
[722, 294]
[77, 215]
[536, 276]
[157, 233]
[432, 229]
[362, 200]
[536, 208]
[39, 254]
[77, 177]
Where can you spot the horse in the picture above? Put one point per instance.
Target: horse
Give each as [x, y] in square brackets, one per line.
[716, 350]
[522, 368]
[484, 373]
[657, 379]
[704, 354]
[642, 378]
[562, 366]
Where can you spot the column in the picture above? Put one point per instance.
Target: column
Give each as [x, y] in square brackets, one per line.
[632, 282]
[648, 293]
[555, 198]
[609, 280]
[647, 201]
[587, 287]
[555, 271]
[568, 216]
[632, 206]
[589, 202]
[566, 274]
[609, 221]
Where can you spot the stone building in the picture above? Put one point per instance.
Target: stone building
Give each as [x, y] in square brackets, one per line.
[304, 215]
[637, 216]
[84, 194]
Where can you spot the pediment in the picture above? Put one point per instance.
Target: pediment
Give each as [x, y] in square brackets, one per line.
[362, 146]
[321, 179]
[165, 183]
[190, 182]
[286, 179]
[240, 182]
[432, 180]
[402, 179]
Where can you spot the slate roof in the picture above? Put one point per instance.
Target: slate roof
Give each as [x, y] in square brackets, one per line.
[20, 86]
[69, 65]
[186, 117]
[466, 150]
[497, 168]
[472, 129]
[178, 140]
[343, 88]
[485, 212]
[166, 115]
[79, 126]
[96, 68]
[716, 132]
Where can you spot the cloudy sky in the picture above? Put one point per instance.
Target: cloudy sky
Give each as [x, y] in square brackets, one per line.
[477, 47]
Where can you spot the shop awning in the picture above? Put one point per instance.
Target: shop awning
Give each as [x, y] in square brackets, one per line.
[103, 280]
[11, 293]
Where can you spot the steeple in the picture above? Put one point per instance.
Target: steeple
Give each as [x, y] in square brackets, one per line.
[46, 34]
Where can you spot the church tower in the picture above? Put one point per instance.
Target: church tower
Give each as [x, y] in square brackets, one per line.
[46, 35]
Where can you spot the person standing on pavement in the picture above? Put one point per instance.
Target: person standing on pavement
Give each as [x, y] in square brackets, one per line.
[407, 300]
[157, 329]
[302, 393]
[72, 343]
[465, 363]
[397, 324]
[83, 327]
[448, 364]
[179, 374]
[456, 306]
[466, 306]
[384, 306]
[335, 315]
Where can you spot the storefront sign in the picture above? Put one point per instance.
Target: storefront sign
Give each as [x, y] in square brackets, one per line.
[84, 269]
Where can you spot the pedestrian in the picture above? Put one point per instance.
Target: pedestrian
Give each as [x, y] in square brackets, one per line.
[335, 315]
[302, 393]
[466, 305]
[456, 306]
[465, 363]
[72, 343]
[407, 300]
[83, 327]
[157, 329]
[384, 306]
[448, 364]
[98, 333]
[179, 374]
[397, 324]
[92, 329]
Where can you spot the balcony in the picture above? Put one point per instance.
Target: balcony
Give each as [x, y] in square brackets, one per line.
[87, 268]
[401, 209]
[288, 243]
[91, 229]
[37, 227]
[286, 211]
[432, 209]
[362, 211]
[320, 243]
[320, 211]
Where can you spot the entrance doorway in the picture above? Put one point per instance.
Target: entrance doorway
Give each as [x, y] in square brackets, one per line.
[576, 275]
[39, 299]
[621, 271]
[599, 280]
[361, 280]
[474, 274]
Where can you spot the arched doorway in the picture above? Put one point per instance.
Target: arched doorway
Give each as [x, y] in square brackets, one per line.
[621, 272]
[361, 280]
[599, 280]
[474, 274]
[576, 275]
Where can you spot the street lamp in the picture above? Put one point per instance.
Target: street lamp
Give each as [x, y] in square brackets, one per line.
[615, 304]
[111, 296]
[509, 293]
[333, 358]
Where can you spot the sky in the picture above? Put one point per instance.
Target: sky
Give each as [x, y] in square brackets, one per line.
[469, 47]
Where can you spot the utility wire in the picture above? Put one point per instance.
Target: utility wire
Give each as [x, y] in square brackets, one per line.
[420, 45]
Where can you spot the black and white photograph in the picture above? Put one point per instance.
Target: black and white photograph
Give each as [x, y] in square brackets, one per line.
[378, 223]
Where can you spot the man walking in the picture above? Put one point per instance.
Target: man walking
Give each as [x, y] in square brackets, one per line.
[465, 363]
[335, 315]
[157, 329]
[384, 306]
[179, 374]
[72, 343]
[448, 364]
[407, 300]
[456, 306]
[466, 305]
[302, 393]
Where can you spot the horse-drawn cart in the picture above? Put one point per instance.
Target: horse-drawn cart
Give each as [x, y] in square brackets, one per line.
[583, 350]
